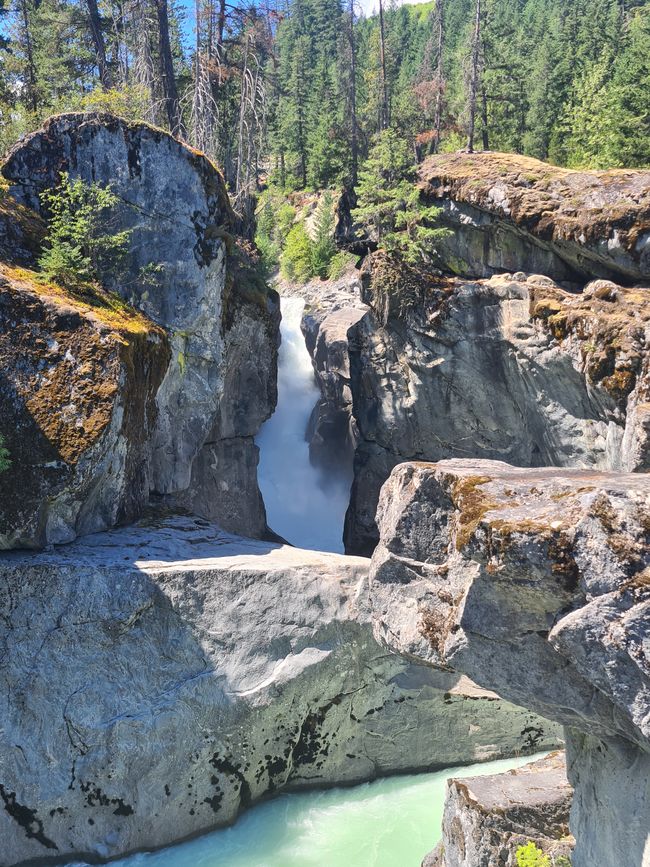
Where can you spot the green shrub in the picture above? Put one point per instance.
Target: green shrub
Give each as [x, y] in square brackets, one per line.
[275, 217]
[83, 244]
[530, 856]
[5, 463]
[339, 263]
[296, 259]
[323, 246]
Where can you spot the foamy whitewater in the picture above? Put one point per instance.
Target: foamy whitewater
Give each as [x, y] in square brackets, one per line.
[302, 506]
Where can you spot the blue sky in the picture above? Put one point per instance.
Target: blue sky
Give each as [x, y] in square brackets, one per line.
[369, 7]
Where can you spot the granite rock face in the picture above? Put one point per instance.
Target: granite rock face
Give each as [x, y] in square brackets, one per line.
[77, 389]
[486, 819]
[185, 275]
[509, 213]
[534, 583]
[513, 368]
[158, 679]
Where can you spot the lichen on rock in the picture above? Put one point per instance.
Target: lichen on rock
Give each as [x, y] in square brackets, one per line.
[535, 586]
[514, 368]
[511, 212]
[181, 269]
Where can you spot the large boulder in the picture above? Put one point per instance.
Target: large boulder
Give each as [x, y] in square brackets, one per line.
[487, 819]
[535, 583]
[513, 368]
[78, 382]
[189, 275]
[508, 212]
[158, 679]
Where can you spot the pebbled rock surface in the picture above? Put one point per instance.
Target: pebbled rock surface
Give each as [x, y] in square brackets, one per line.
[486, 819]
[510, 213]
[77, 390]
[156, 680]
[187, 274]
[513, 368]
[535, 583]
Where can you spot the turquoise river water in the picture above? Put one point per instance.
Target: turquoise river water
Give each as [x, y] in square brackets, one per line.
[392, 822]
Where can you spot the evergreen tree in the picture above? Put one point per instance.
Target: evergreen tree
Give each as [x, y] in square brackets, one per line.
[389, 202]
[5, 463]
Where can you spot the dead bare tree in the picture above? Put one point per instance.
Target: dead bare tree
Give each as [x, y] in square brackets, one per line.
[97, 34]
[474, 76]
[139, 29]
[440, 81]
[204, 109]
[252, 118]
[384, 112]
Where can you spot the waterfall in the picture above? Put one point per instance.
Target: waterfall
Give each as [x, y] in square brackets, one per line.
[302, 505]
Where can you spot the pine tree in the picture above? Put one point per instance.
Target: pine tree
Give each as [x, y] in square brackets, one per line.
[389, 202]
[5, 463]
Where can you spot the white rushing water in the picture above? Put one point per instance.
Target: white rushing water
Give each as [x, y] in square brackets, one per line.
[389, 823]
[305, 508]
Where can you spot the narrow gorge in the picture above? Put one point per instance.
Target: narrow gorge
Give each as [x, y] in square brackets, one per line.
[260, 538]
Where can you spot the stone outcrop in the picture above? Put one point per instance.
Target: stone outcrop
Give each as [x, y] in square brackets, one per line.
[514, 213]
[487, 819]
[535, 583]
[155, 680]
[78, 382]
[188, 275]
[513, 368]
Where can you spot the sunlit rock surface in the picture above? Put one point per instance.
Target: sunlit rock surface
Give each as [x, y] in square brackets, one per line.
[535, 583]
[77, 394]
[509, 212]
[158, 679]
[513, 368]
[486, 819]
[188, 275]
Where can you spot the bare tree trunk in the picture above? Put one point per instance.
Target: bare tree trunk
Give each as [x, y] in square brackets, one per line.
[354, 142]
[120, 28]
[475, 71]
[384, 116]
[221, 24]
[98, 40]
[484, 120]
[242, 116]
[439, 74]
[170, 93]
[29, 50]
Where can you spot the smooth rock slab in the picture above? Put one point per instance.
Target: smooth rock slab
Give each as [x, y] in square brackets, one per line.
[156, 680]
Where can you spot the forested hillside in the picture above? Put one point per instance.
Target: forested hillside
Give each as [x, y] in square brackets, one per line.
[298, 90]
